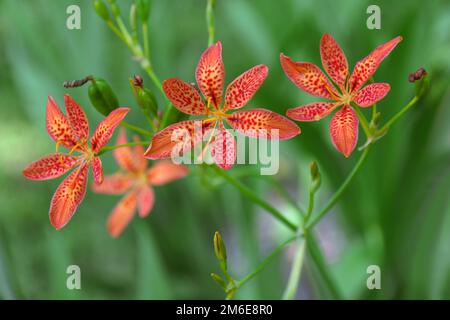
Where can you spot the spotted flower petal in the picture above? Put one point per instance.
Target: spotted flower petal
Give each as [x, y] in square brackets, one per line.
[97, 170]
[242, 89]
[365, 68]
[210, 74]
[223, 149]
[58, 127]
[106, 127]
[77, 118]
[146, 199]
[50, 166]
[122, 214]
[308, 77]
[117, 183]
[165, 171]
[371, 94]
[261, 122]
[344, 130]
[184, 96]
[68, 196]
[138, 153]
[124, 156]
[312, 111]
[334, 60]
[176, 139]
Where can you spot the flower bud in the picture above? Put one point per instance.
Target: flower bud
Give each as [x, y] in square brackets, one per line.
[315, 176]
[143, 9]
[102, 96]
[218, 279]
[114, 8]
[144, 97]
[220, 250]
[133, 18]
[101, 9]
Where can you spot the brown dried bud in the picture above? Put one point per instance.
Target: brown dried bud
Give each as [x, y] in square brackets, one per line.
[138, 81]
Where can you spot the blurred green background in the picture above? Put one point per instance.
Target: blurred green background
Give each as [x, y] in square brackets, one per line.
[396, 213]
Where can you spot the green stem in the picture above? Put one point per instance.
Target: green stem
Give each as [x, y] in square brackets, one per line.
[310, 205]
[118, 146]
[256, 199]
[145, 36]
[339, 192]
[210, 21]
[136, 129]
[400, 113]
[263, 264]
[363, 121]
[294, 277]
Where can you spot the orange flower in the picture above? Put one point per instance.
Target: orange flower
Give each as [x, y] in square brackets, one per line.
[72, 132]
[136, 180]
[347, 89]
[210, 76]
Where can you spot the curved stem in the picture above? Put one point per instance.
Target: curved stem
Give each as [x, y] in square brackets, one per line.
[118, 146]
[210, 21]
[256, 199]
[400, 113]
[262, 265]
[363, 121]
[339, 192]
[294, 277]
[136, 129]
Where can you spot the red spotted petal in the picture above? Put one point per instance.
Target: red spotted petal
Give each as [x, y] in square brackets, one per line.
[97, 170]
[106, 127]
[344, 130]
[138, 152]
[242, 89]
[117, 183]
[50, 166]
[184, 96]
[68, 196]
[308, 77]
[312, 111]
[122, 214]
[77, 118]
[177, 138]
[210, 74]
[365, 68]
[58, 127]
[371, 94]
[124, 156]
[146, 199]
[165, 171]
[223, 149]
[334, 60]
[261, 122]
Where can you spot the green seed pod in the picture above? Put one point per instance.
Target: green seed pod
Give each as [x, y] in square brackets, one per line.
[102, 96]
[101, 9]
[147, 101]
[143, 9]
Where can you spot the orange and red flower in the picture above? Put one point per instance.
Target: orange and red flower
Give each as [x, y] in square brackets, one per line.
[210, 74]
[136, 180]
[347, 89]
[72, 132]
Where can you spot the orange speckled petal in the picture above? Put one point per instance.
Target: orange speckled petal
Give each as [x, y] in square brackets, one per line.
[50, 166]
[179, 137]
[334, 60]
[77, 118]
[122, 214]
[371, 94]
[344, 130]
[68, 196]
[138, 153]
[242, 89]
[106, 127]
[116, 183]
[165, 171]
[308, 77]
[223, 149]
[58, 127]
[184, 96]
[365, 68]
[146, 199]
[97, 170]
[312, 111]
[124, 156]
[210, 74]
[261, 122]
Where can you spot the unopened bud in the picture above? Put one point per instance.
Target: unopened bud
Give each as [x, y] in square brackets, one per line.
[218, 279]
[220, 250]
[143, 9]
[101, 9]
[102, 96]
[315, 176]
